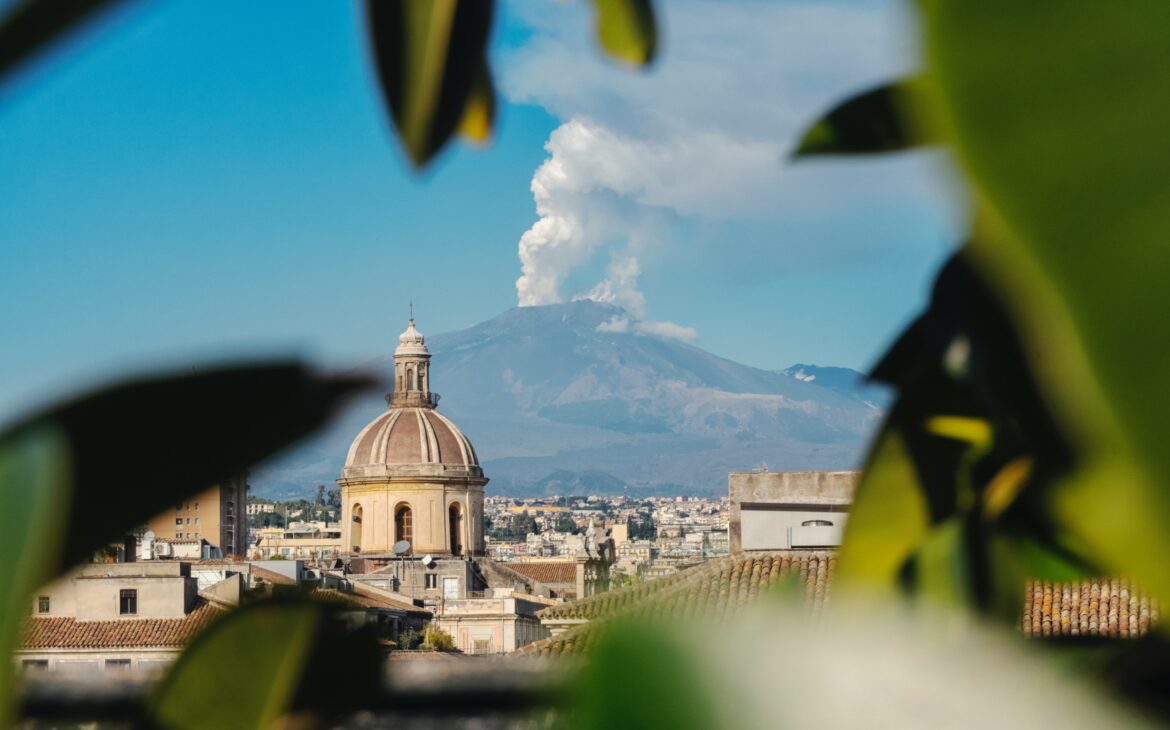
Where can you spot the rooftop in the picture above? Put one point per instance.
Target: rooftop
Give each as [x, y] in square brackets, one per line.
[128, 633]
[715, 588]
[548, 572]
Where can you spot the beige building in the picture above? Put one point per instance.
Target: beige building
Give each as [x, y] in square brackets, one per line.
[303, 540]
[411, 475]
[789, 510]
[216, 516]
[493, 625]
[114, 617]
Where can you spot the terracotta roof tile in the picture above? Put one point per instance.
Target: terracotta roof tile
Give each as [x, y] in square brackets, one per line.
[1108, 607]
[549, 573]
[717, 588]
[130, 633]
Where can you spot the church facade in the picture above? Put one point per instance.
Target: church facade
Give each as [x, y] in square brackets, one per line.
[411, 476]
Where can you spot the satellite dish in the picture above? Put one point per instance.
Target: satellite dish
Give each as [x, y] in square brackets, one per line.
[402, 547]
[428, 561]
[148, 535]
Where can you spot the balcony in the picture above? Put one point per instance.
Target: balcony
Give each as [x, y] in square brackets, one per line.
[412, 398]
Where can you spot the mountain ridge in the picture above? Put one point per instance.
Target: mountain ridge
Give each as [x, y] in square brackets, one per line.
[561, 389]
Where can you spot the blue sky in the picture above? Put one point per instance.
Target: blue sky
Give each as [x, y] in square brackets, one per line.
[193, 179]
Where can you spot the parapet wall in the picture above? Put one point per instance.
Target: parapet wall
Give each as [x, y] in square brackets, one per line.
[800, 495]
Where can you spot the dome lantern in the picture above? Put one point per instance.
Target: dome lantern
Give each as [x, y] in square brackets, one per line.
[412, 372]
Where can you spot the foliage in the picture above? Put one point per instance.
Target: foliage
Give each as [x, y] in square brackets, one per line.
[435, 639]
[643, 528]
[566, 524]
[56, 465]
[301, 658]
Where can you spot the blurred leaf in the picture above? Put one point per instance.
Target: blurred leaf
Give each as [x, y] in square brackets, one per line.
[30, 26]
[639, 675]
[480, 113]
[974, 431]
[888, 519]
[301, 659]
[1003, 488]
[1059, 113]
[627, 30]
[874, 121]
[34, 486]
[275, 637]
[137, 448]
[428, 55]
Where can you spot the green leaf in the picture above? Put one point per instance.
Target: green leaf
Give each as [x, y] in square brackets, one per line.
[276, 637]
[887, 522]
[30, 26]
[627, 30]
[429, 54]
[34, 489]
[640, 675]
[139, 447]
[1058, 111]
[872, 122]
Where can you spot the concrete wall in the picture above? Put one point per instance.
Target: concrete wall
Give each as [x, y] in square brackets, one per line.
[766, 506]
[80, 663]
[165, 590]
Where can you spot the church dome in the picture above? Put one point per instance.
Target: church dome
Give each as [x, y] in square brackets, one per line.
[411, 439]
[402, 440]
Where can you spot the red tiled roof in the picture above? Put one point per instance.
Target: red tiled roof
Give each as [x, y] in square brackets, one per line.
[1097, 607]
[128, 633]
[716, 588]
[366, 601]
[548, 573]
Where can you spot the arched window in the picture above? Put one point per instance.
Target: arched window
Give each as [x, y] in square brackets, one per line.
[455, 517]
[355, 529]
[404, 523]
[410, 377]
[420, 377]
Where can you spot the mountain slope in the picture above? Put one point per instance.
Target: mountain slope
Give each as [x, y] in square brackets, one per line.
[541, 390]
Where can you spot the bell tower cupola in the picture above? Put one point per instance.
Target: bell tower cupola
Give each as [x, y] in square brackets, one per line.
[412, 372]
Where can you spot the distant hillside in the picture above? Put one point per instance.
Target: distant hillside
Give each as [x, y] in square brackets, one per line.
[550, 396]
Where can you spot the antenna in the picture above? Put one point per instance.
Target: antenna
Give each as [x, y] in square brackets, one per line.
[412, 309]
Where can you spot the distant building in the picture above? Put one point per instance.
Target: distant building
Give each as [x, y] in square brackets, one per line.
[789, 510]
[213, 516]
[304, 540]
[495, 624]
[115, 618]
[260, 508]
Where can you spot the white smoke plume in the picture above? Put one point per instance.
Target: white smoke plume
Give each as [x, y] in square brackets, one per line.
[702, 138]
